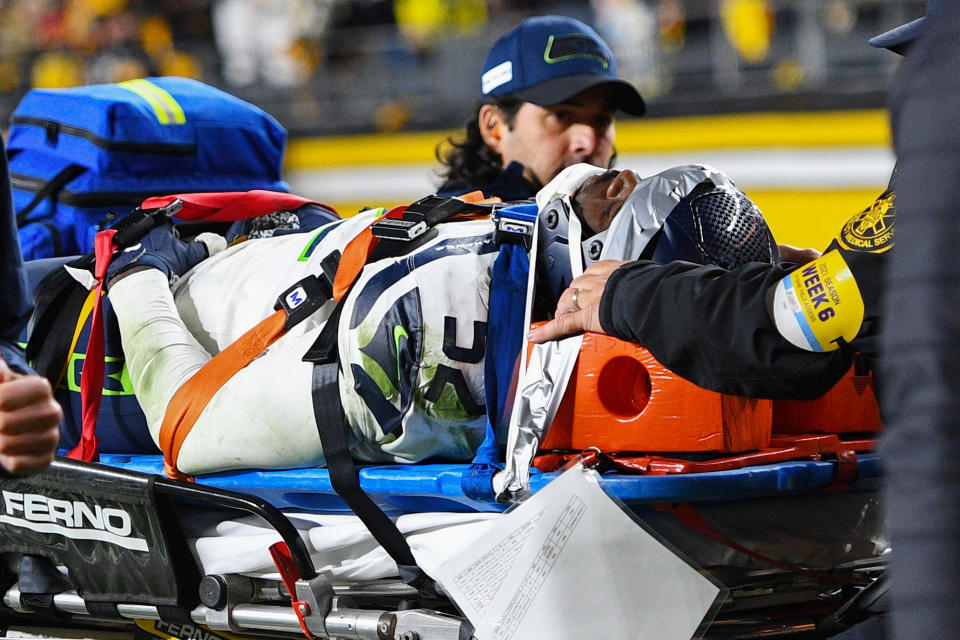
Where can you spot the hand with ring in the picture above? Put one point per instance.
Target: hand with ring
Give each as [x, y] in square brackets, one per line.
[575, 298]
[579, 306]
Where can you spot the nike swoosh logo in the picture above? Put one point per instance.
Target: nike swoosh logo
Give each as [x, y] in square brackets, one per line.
[399, 332]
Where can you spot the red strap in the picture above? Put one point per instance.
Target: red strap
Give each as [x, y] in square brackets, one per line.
[688, 516]
[227, 206]
[91, 377]
[848, 471]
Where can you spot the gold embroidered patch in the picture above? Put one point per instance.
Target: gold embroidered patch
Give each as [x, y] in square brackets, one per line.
[871, 230]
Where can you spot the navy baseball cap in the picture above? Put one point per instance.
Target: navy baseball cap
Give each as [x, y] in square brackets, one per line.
[548, 59]
[899, 38]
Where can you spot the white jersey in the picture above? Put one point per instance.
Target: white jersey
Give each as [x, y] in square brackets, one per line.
[411, 336]
[411, 339]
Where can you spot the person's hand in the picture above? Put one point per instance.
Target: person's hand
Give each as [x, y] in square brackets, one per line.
[796, 255]
[162, 249]
[29, 422]
[579, 306]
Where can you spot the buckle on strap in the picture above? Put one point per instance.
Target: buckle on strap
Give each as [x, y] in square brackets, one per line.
[514, 225]
[303, 298]
[423, 214]
[398, 228]
[509, 231]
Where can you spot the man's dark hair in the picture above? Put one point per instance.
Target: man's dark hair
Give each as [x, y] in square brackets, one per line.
[468, 160]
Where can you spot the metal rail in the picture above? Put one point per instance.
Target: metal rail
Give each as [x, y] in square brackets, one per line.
[341, 622]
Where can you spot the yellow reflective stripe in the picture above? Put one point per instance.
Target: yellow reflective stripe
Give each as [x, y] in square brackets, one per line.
[164, 105]
[75, 359]
[151, 627]
[173, 107]
[158, 110]
[160, 629]
[75, 372]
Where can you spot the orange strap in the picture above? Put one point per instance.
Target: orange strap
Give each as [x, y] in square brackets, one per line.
[357, 252]
[192, 398]
[477, 197]
[355, 255]
[352, 261]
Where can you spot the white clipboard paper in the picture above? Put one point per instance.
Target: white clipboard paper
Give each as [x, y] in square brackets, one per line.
[570, 562]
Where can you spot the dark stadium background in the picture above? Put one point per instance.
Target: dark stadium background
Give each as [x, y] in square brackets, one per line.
[785, 95]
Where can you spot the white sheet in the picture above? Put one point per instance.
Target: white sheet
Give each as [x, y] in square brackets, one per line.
[340, 545]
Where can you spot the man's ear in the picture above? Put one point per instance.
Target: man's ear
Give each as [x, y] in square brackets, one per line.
[491, 122]
[622, 185]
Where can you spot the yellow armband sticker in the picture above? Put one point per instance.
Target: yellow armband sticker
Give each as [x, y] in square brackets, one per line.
[818, 304]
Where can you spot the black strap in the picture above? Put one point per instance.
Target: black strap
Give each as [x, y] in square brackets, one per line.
[428, 212]
[328, 409]
[59, 297]
[174, 615]
[58, 300]
[50, 189]
[102, 609]
[328, 412]
[37, 575]
[304, 297]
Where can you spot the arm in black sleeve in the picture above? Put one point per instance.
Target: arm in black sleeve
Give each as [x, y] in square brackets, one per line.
[712, 327]
[15, 304]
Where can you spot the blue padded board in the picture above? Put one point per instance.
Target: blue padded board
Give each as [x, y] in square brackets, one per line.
[436, 487]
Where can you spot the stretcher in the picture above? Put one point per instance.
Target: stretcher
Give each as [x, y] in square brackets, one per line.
[793, 542]
[789, 523]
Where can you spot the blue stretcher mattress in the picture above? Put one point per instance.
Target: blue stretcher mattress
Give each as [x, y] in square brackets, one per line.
[437, 487]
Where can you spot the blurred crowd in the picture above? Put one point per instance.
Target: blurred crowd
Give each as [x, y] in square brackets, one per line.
[352, 65]
[59, 43]
[55, 43]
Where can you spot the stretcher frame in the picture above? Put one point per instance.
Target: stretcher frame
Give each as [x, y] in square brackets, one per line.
[767, 597]
[776, 601]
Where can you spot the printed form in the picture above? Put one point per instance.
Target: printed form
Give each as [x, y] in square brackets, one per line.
[569, 563]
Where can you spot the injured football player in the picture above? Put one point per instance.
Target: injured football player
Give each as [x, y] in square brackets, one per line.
[409, 331]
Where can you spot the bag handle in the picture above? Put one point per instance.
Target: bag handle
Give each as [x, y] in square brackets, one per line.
[49, 190]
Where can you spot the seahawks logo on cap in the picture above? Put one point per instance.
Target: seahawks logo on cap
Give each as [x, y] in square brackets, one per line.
[573, 45]
[871, 230]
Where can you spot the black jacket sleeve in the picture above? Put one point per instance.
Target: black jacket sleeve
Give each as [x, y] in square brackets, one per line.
[15, 303]
[711, 326]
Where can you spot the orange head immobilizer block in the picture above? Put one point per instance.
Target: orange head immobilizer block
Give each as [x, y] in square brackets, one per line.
[621, 399]
[849, 407]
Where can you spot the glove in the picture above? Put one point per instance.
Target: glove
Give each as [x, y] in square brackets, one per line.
[835, 300]
[162, 249]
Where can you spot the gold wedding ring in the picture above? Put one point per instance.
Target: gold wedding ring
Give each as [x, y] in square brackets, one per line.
[576, 298]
